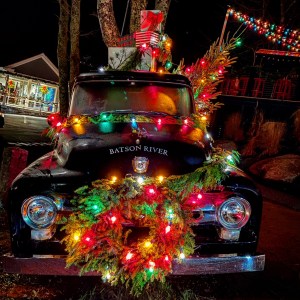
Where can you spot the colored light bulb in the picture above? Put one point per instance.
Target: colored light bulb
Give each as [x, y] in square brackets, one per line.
[168, 228]
[129, 256]
[140, 180]
[151, 191]
[151, 263]
[147, 244]
[160, 178]
[76, 236]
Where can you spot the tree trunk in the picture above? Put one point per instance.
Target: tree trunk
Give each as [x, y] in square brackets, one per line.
[163, 6]
[108, 24]
[62, 55]
[74, 41]
[135, 14]
[282, 11]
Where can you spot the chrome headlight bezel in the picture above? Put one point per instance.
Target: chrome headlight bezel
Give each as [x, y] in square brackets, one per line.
[46, 206]
[238, 204]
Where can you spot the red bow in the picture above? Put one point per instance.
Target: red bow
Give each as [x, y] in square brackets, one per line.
[151, 21]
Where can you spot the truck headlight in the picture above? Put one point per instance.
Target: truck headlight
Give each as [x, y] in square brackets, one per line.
[39, 212]
[234, 213]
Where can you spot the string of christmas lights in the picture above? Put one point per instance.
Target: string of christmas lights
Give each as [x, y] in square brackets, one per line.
[280, 34]
[59, 124]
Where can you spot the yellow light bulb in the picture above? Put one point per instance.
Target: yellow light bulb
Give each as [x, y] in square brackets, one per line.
[114, 179]
[147, 244]
[79, 129]
[76, 236]
[160, 178]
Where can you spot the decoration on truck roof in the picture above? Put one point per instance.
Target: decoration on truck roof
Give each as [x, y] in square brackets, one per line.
[152, 51]
[143, 49]
[100, 231]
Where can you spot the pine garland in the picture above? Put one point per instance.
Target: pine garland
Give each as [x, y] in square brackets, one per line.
[194, 120]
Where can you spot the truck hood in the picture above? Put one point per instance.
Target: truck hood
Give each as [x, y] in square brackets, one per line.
[113, 149]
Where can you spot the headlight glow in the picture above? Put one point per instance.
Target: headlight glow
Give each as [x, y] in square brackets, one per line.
[39, 212]
[234, 213]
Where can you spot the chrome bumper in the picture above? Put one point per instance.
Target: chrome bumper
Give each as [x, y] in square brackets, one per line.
[55, 265]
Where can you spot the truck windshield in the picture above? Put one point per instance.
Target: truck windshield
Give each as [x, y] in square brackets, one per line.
[92, 98]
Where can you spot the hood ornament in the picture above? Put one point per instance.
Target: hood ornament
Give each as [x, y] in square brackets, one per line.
[140, 164]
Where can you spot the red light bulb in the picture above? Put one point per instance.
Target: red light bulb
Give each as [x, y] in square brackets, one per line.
[168, 228]
[129, 256]
[151, 191]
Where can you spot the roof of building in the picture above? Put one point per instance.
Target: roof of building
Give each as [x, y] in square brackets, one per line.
[38, 66]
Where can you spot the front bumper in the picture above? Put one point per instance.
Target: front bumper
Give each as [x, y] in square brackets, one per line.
[221, 264]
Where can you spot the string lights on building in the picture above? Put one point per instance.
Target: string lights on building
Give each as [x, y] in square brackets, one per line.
[279, 34]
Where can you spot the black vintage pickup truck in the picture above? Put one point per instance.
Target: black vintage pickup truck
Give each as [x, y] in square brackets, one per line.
[135, 130]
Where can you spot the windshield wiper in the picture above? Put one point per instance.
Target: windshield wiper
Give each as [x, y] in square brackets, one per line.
[117, 111]
[155, 113]
[141, 112]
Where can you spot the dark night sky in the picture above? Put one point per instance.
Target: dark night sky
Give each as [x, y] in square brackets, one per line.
[30, 27]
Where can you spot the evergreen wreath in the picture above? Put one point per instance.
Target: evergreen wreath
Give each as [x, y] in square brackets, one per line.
[100, 233]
